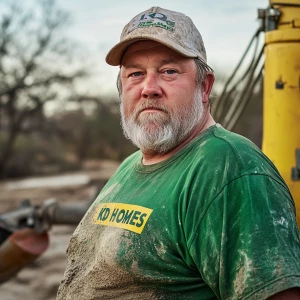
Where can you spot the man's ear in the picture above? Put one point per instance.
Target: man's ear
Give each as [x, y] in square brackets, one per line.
[207, 86]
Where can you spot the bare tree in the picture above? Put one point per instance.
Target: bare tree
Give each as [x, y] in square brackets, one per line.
[36, 64]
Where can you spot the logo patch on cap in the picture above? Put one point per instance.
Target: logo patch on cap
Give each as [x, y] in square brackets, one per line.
[152, 20]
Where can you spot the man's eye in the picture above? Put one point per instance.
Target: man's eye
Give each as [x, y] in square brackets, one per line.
[135, 74]
[170, 72]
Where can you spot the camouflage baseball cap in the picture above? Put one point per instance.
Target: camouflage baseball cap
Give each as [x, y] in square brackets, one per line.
[172, 29]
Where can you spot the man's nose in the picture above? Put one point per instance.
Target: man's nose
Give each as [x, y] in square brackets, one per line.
[151, 86]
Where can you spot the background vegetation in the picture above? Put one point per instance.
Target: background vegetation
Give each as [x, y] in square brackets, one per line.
[40, 67]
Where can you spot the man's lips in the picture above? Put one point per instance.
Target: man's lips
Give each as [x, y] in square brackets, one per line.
[151, 109]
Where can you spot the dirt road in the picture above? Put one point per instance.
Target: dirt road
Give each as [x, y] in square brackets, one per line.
[40, 280]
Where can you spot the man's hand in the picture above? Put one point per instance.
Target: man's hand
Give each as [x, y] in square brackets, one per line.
[20, 249]
[290, 294]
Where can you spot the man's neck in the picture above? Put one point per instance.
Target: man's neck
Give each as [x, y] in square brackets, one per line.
[154, 158]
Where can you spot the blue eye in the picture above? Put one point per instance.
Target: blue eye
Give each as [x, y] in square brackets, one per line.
[170, 72]
[136, 74]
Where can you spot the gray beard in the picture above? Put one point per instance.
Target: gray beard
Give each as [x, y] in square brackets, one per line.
[168, 128]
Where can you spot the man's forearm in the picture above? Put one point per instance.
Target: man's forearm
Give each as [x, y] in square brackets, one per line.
[289, 294]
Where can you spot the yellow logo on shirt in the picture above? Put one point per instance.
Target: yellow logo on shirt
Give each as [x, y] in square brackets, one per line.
[127, 216]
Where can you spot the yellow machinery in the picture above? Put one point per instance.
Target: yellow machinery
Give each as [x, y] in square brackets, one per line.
[281, 117]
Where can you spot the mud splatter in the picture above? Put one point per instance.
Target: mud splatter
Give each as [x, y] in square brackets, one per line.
[282, 222]
[243, 272]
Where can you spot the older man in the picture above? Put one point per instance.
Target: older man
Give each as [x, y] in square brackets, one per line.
[198, 212]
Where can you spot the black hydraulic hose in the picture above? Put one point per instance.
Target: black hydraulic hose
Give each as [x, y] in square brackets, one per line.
[243, 105]
[247, 85]
[246, 73]
[218, 100]
[227, 96]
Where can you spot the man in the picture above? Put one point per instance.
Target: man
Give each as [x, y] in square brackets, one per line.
[198, 212]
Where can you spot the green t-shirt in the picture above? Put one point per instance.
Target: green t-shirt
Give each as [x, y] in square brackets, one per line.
[213, 221]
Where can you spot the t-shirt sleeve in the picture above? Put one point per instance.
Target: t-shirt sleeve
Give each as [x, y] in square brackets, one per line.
[246, 244]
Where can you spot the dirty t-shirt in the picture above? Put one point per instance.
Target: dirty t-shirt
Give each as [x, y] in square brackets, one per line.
[214, 221]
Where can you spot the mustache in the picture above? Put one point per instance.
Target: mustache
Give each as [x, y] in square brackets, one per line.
[150, 104]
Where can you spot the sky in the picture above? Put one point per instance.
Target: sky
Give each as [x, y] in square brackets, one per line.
[226, 27]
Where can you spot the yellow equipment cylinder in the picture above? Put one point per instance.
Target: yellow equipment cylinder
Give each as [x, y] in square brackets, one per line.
[281, 116]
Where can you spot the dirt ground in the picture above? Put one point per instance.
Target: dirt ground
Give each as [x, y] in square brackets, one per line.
[40, 280]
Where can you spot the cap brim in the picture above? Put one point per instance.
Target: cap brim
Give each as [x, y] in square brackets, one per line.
[114, 56]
